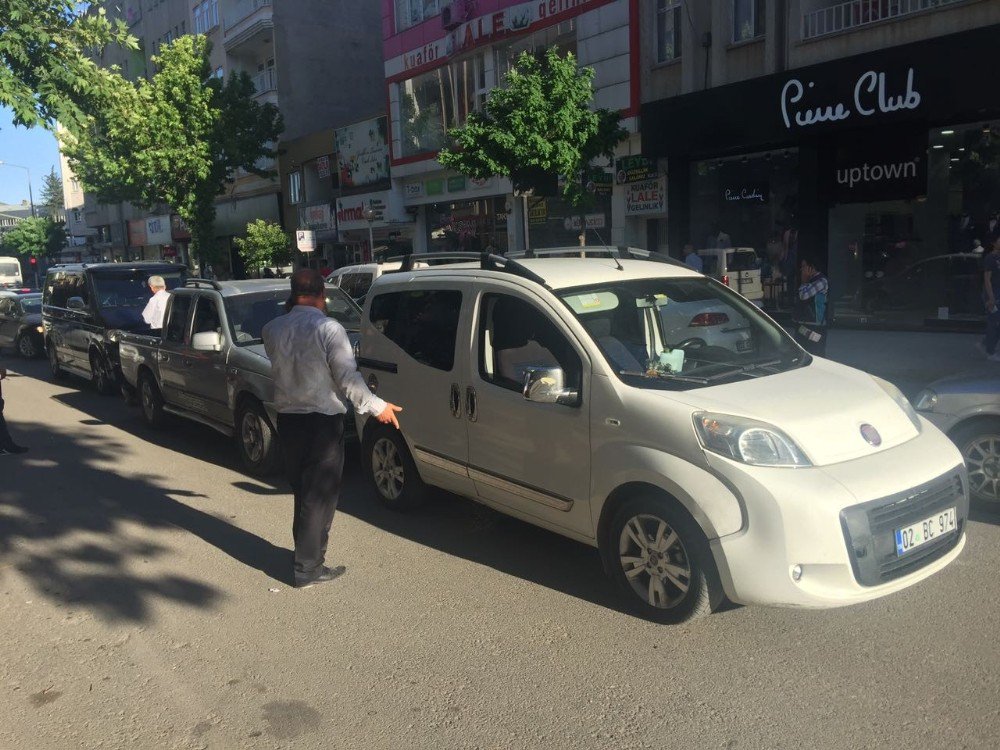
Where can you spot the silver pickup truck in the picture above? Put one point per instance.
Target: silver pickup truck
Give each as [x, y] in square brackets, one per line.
[208, 365]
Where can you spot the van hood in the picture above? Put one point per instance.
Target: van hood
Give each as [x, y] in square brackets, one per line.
[821, 407]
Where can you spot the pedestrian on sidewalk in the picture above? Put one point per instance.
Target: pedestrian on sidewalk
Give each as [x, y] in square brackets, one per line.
[991, 293]
[692, 259]
[7, 444]
[811, 315]
[315, 378]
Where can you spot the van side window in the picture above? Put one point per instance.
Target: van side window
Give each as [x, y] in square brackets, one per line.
[59, 288]
[79, 287]
[423, 323]
[515, 336]
[177, 324]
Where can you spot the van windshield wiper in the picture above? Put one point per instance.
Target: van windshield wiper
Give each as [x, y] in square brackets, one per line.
[666, 376]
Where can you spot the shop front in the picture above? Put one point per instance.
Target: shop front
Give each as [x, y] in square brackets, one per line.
[882, 167]
[162, 237]
[371, 226]
[457, 213]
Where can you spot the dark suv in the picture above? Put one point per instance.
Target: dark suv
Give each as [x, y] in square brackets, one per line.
[84, 306]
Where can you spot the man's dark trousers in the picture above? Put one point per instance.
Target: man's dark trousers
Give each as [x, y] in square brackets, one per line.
[313, 449]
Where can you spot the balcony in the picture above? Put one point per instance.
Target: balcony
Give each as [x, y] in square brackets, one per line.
[266, 83]
[856, 14]
[248, 21]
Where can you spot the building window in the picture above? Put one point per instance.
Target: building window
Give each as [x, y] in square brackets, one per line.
[220, 72]
[668, 30]
[411, 12]
[748, 19]
[206, 16]
[294, 187]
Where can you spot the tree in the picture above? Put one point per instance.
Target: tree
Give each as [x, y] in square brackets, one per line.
[39, 237]
[266, 244]
[47, 68]
[177, 139]
[537, 126]
[52, 192]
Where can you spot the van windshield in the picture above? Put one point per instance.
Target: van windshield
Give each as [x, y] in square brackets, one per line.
[122, 295]
[10, 269]
[681, 333]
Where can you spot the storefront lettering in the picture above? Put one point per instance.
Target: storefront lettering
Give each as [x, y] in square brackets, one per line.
[426, 54]
[876, 173]
[744, 195]
[865, 104]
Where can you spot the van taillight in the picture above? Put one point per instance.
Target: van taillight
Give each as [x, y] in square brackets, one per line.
[725, 280]
[708, 319]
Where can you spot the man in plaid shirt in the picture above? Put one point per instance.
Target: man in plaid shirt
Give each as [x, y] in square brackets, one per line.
[812, 310]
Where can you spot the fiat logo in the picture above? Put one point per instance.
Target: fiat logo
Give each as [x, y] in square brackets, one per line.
[871, 436]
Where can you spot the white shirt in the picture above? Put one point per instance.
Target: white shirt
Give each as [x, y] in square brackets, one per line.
[155, 309]
[313, 366]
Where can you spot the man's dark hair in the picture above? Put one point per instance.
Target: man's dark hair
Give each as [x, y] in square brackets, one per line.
[813, 263]
[307, 282]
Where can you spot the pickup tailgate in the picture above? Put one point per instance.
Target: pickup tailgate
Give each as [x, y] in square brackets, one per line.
[136, 350]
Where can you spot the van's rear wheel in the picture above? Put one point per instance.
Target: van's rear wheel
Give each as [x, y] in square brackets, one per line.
[151, 400]
[661, 562]
[391, 469]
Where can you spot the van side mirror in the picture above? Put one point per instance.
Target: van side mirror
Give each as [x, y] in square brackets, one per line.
[207, 341]
[547, 385]
[76, 303]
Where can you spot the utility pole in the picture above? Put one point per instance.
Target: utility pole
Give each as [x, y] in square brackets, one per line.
[31, 197]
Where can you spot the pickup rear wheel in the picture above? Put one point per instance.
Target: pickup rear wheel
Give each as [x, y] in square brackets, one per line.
[390, 469]
[101, 375]
[256, 439]
[151, 400]
[660, 560]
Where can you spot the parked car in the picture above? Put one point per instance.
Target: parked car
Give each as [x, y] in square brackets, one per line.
[954, 281]
[21, 323]
[357, 280]
[86, 306]
[209, 365]
[736, 267]
[967, 408]
[765, 475]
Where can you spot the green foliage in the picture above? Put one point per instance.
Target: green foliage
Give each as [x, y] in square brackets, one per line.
[177, 139]
[52, 191]
[537, 126]
[47, 72]
[265, 245]
[40, 237]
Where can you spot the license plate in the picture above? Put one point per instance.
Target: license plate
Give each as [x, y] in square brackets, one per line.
[745, 345]
[922, 532]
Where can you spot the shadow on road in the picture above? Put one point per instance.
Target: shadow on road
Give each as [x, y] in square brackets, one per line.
[984, 512]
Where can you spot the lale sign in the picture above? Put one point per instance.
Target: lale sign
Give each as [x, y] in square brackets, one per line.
[646, 198]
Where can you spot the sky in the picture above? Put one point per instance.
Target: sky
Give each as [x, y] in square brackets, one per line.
[35, 149]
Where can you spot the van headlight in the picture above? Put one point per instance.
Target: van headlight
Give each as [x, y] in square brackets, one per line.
[926, 400]
[749, 441]
[901, 401]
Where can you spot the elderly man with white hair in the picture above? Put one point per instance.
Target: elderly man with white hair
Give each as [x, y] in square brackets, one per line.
[157, 305]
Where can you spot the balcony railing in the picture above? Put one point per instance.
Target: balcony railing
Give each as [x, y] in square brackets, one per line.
[243, 9]
[858, 13]
[265, 80]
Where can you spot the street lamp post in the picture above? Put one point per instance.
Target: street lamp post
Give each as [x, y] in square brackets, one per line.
[369, 214]
[31, 198]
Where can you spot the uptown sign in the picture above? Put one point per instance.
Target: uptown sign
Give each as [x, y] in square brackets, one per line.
[872, 96]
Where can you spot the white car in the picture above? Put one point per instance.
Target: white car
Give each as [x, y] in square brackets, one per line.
[736, 267]
[548, 388]
[357, 280]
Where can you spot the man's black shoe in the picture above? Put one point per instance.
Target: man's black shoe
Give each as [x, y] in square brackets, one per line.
[322, 574]
[12, 449]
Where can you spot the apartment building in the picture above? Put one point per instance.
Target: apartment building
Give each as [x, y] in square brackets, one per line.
[318, 61]
[441, 61]
[865, 134]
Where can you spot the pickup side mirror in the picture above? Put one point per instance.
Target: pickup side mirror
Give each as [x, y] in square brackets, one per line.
[76, 303]
[546, 385]
[207, 341]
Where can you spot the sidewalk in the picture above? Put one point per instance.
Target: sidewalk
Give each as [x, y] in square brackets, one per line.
[911, 360]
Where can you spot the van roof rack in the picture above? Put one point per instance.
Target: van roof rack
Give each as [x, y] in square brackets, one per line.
[200, 283]
[487, 262]
[597, 251]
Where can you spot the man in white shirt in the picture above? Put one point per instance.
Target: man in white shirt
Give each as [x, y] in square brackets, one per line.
[315, 377]
[157, 305]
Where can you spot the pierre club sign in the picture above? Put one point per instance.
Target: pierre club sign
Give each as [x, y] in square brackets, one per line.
[873, 95]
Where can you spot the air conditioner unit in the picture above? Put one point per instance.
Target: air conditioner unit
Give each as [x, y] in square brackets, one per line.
[450, 17]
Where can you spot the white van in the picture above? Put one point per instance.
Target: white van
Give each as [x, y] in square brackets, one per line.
[10, 272]
[549, 389]
[357, 280]
[736, 267]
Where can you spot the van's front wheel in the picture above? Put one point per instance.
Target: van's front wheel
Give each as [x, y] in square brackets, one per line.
[660, 561]
[391, 469]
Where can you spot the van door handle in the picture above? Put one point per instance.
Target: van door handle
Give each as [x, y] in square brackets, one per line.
[471, 404]
[456, 401]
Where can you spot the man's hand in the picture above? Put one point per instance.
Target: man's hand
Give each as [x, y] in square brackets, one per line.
[388, 416]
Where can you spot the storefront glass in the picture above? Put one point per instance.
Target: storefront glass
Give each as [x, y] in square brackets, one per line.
[917, 261]
[475, 225]
[554, 223]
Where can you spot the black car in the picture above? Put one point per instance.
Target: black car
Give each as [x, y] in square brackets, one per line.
[85, 306]
[21, 323]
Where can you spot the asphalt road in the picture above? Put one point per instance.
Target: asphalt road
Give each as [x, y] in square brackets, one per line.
[144, 604]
